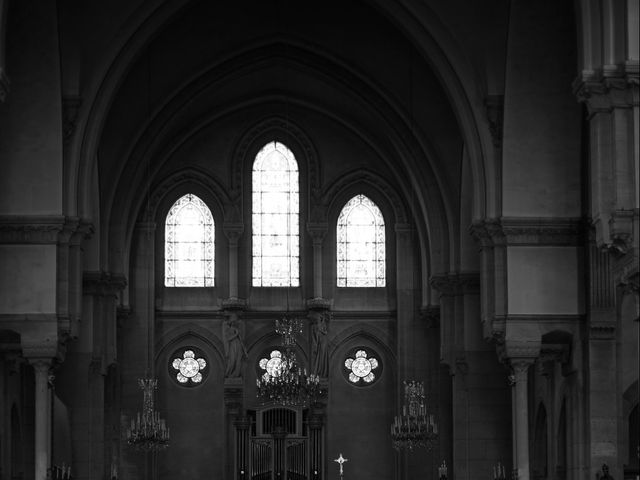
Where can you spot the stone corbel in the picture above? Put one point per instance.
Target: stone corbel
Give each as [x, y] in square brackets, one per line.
[70, 110]
[4, 85]
[621, 231]
[494, 109]
[233, 395]
[234, 304]
[103, 283]
[431, 316]
[319, 304]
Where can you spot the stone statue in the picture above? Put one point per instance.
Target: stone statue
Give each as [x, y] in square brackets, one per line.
[605, 473]
[319, 344]
[234, 349]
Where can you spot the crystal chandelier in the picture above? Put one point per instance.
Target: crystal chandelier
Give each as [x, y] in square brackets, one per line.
[286, 383]
[414, 428]
[148, 431]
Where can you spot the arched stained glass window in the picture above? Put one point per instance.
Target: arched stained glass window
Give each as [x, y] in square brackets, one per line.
[275, 224]
[189, 244]
[361, 244]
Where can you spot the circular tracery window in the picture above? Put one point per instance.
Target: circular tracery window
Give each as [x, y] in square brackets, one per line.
[188, 367]
[272, 366]
[362, 367]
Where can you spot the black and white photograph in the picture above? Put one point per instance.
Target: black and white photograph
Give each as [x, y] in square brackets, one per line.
[304, 240]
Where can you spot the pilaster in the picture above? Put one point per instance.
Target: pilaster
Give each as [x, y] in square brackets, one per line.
[233, 231]
[317, 231]
[41, 367]
[233, 407]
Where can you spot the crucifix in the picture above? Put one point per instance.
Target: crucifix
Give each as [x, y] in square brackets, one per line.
[340, 460]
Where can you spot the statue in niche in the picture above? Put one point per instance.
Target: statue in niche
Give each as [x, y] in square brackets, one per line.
[234, 349]
[319, 344]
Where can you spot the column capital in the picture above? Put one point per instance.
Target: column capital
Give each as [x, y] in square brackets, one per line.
[41, 365]
[520, 368]
[233, 231]
[317, 230]
[456, 283]
[103, 283]
[37, 229]
[604, 93]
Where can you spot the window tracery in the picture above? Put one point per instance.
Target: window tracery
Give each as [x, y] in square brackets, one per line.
[189, 244]
[360, 236]
[189, 368]
[275, 218]
[362, 367]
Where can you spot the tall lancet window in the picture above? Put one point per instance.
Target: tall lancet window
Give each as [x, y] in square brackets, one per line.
[189, 244]
[361, 244]
[275, 223]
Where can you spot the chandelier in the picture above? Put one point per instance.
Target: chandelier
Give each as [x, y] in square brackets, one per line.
[414, 428]
[148, 431]
[285, 382]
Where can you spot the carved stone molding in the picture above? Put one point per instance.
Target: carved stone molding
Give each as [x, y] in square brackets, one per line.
[319, 304]
[70, 109]
[602, 330]
[4, 85]
[462, 366]
[234, 304]
[621, 231]
[554, 352]
[103, 283]
[38, 229]
[512, 231]
[191, 176]
[494, 109]
[606, 93]
[379, 183]
[317, 231]
[276, 125]
[520, 368]
[122, 315]
[233, 231]
[456, 283]
[521, 351]
[431, 315]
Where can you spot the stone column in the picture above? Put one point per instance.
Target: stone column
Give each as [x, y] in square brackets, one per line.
[233, 400]
[42, 410]
[242, 425]
[316, 448]
[317, 232]
[233, 232]
[521, 417]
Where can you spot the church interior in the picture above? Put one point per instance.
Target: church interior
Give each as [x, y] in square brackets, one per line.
[355, 240]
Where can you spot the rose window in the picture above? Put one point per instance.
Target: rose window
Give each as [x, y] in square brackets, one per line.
[361, 367]
[273, 365]
[188, 369]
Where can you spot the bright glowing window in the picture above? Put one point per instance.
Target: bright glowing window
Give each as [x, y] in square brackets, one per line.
[189, 244]
[275, 202]
[360, 244]
[362, 367]
[188, 367]
[273, 365]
